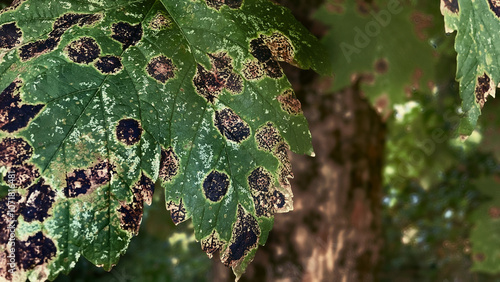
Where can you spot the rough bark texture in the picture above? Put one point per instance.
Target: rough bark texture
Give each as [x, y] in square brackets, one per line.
[334, 231]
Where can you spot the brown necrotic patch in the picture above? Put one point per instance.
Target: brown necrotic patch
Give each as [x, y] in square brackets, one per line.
[209, 84]
[84, 181]
[381, 66]
[289, 102]
[263, 205]
[127, 34]
[161, 68]
[177, 211]
[38, 202]
[260, 180]
[10, 35]
[25, 175]
[212, 244]
[169, 164]
[215, 185]
[36, 250]
[128, 131]
[109, 64]
[484, 88]
[131, 213]
[217, 4]
[14, 115]
[83, 51]
[494, 6]
[231, 126]
[253, 70]
[278, 200]
[14, 151]
[160, 21]
[61, 25]
[269, 50]
[267, 137]
[452, 5]
[280, 46]
[245, 237]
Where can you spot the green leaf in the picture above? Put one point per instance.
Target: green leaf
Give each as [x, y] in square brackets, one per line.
[478, 55]
[101, 99]
[386, 43]
[485, 235]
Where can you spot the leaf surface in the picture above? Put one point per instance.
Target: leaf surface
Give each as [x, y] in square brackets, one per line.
[102, 99]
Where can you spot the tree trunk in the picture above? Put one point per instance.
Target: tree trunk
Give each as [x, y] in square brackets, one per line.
[334, 231]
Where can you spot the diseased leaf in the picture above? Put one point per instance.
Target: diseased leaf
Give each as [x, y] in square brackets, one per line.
[478, 55]
[101, 99]
[383, 42]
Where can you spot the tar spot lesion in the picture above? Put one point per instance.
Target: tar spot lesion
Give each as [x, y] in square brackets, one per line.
[289, 102]
[38, 202]
[83, 51]
[215, 185]
[217, 4]
[10, 36]
[14, 115]
[109, 64]
[244, 238]
[267, 199]
[212, 244]
[131, 213]
[25, 175]
[160, 21]
[209, 84]
[494, 6]
[129, 131]
[161, 68]
[260, 179]
[169, 164]
[61, 25]
[84, 181]
[381, 66]
[177, 211]
[484, 87]
[231, 126]
[127, 34]
[38, 249]
[268, 50]
[14, 151]
[452, 5]
[267, 137]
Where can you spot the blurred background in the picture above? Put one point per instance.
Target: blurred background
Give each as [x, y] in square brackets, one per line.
[393, 193]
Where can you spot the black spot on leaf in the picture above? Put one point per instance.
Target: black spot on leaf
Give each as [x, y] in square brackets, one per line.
[209, 84]
[169, 164]
[38, 202]
[268, 50]
[127, 34]
[215, 185]
[483, 88]
[246, 233]
[381, 66]
[83, 51]
[280, 46]
[290, 103]
[131, 213]
[212, 244]
[13, 115]
[217, 4]
[452, 5]
[262, 204]
[14, 151]
[24, 175]
[177, 211]
[231, 125]
[161, 68]
[267, 137]
[128, 131]
[83, 181]
[494, 6]
[260, 179]
[109, 64]
[61, 25]
[36, 250]
[260, 51]
[278, 199]
[10, 36]
[253, 70]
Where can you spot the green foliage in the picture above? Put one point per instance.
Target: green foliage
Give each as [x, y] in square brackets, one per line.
[102, 99]
[385, 44]
[478, 71]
